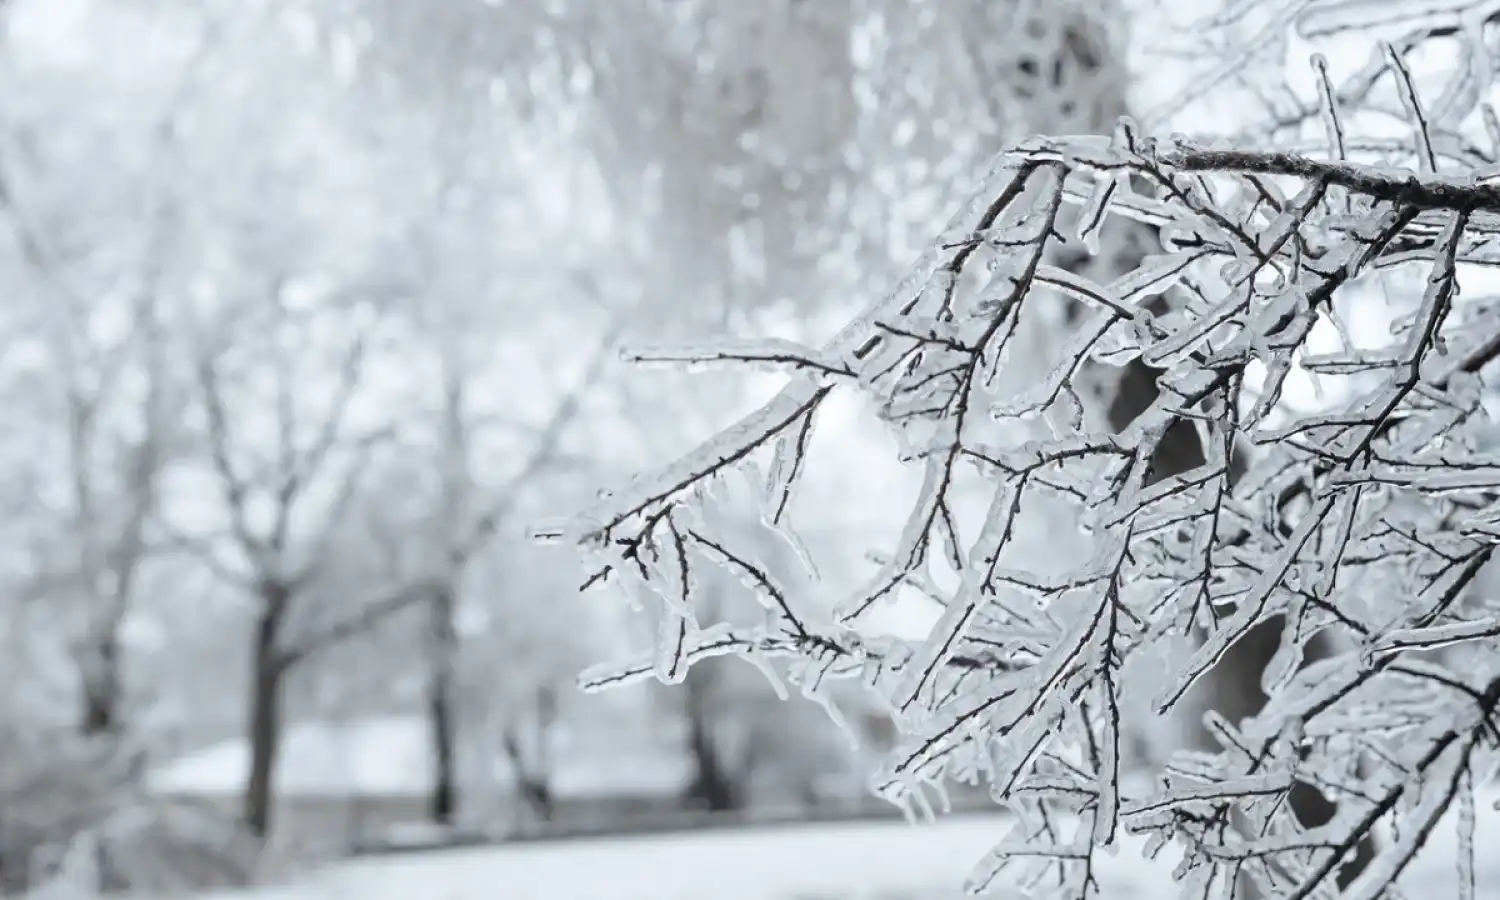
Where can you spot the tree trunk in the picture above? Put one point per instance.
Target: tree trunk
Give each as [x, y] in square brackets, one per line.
[715, 786]
[532, 778]
[441, 714]
[101, 688]
[539, 794]
[266, 683]
[530, 759]
[543, 803]
[536, 792]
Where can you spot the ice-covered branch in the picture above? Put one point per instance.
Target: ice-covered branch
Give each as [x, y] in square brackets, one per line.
[1368, 519]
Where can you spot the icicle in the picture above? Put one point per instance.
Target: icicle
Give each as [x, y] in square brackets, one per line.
[759, 661]
[1466, 823]
[672, 641]
[1092, 217]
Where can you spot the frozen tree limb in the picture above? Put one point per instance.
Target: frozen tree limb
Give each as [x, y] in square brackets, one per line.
[1022, 679]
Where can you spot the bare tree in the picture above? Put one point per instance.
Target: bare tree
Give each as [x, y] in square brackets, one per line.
[282, 514]
[118, 440]
[467, 519]
[113, 546]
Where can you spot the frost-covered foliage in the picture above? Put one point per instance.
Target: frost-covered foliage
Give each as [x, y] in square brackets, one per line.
[1365, 519]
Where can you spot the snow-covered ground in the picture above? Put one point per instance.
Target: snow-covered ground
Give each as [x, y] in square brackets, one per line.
[864, 861]
[391, 756]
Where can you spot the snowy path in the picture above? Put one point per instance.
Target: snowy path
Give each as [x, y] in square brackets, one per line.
[868, 861]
